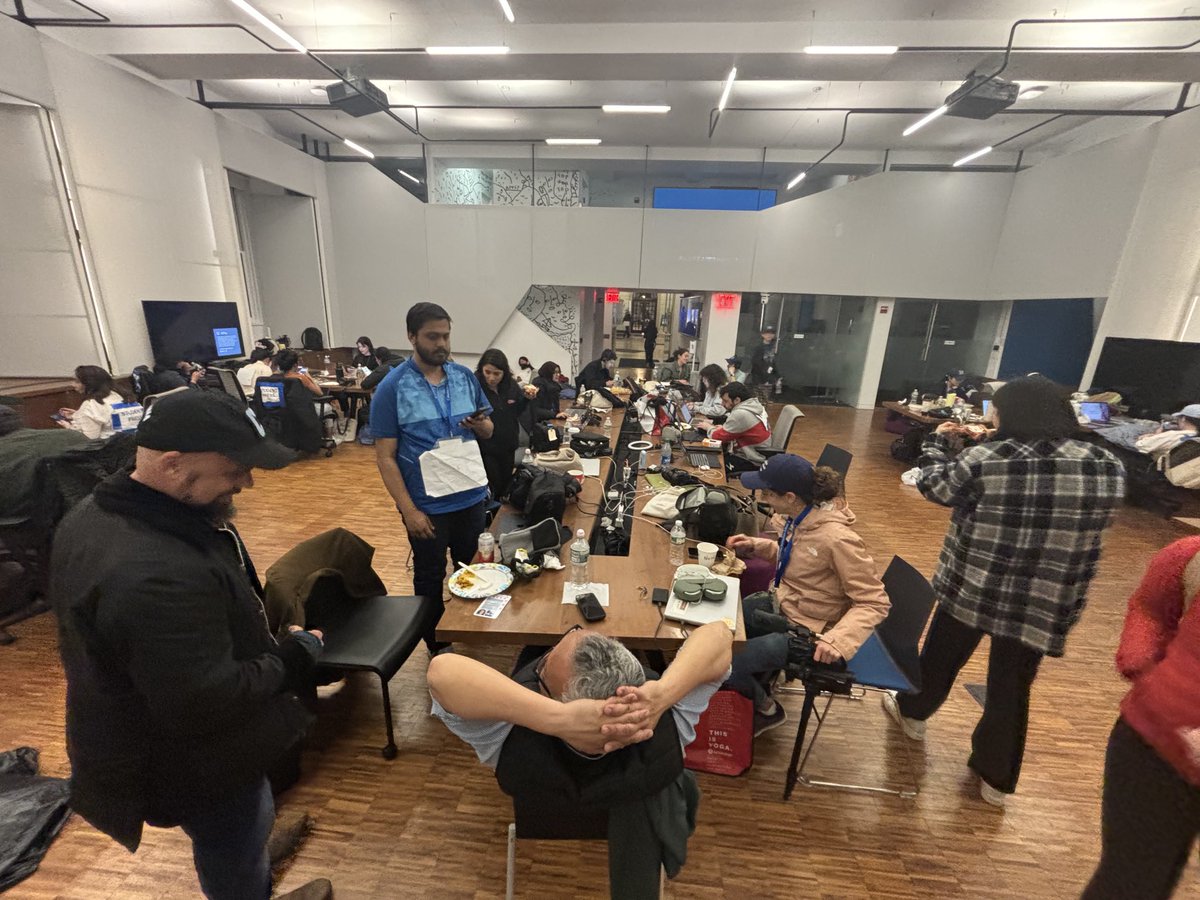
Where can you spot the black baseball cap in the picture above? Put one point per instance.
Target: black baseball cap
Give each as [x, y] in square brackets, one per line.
[200, 421]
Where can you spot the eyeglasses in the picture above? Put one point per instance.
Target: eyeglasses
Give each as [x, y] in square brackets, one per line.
[540, 665]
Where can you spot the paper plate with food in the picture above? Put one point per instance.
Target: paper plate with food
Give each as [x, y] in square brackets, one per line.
[479, 580]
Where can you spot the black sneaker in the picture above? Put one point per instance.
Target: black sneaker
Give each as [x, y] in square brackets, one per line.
[767, 721]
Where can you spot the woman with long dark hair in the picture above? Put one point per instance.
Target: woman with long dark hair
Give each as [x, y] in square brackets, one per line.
[1029, 508]
[508, 401]
[94, 416]
[549, 391]
[364, 353]
[712, 377]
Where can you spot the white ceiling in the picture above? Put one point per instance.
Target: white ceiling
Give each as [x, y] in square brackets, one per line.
[582, 53]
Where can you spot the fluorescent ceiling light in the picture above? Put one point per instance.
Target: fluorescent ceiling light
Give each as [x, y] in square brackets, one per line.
[466, 51]
[414, 179]
[922, 122]
[508, 13]
[269, 25]
[869, 50]
[728, 87]
[358, 149]
[1034, 90]
[795, 181]
[635, 108]
[572, 141]
[970, 156]
[319, 91]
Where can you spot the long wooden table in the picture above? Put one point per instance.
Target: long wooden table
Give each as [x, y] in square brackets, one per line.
[536, 613]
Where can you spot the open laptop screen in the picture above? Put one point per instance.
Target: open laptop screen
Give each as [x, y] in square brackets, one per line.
[1095, 412]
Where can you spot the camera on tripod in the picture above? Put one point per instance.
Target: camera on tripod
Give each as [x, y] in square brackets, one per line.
[801, 664]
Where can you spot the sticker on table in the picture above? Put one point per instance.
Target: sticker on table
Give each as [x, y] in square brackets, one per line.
[492, 606]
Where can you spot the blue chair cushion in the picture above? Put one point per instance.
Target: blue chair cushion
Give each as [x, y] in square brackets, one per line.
[872, 666]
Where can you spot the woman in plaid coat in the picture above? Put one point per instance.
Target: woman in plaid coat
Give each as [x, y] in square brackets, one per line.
[1030, 507]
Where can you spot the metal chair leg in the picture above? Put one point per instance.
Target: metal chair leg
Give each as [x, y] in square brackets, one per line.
[511, 878]
[389, 752]
[905, 793]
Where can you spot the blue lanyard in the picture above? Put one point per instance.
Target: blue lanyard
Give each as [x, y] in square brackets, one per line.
[444, 413]
[785, 543]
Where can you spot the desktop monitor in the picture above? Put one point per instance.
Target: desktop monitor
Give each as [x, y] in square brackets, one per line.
[198, 331]
[1153, 377]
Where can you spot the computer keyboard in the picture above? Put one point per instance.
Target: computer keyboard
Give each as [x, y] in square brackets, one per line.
[698, 458]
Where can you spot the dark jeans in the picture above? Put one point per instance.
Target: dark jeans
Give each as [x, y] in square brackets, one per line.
[229, 844]
[499, 463]
[649, 346]
[457, 531]
[1150, 818]
[998, 744]
[763, 654]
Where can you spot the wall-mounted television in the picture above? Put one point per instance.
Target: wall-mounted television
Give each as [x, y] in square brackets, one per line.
[195, 330]
[1156, 378]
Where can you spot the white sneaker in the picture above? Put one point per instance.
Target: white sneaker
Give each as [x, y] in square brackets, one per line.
[914, 729]
[991, 795]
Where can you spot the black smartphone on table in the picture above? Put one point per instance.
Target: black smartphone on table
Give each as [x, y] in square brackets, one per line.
[589, 606]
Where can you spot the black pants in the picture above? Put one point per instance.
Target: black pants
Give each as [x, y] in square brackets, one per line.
[649, 345]
[998, 744]
[457, 531]
[498, 462]
[1149, 821]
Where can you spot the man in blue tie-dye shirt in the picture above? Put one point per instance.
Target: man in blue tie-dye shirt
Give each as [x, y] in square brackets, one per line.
[423, 408]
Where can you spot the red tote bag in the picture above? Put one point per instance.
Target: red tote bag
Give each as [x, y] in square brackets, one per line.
[724, 742]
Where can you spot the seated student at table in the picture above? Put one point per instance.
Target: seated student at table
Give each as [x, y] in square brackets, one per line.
[824, 578]
[508, 399]
[957, 382]
[598, 376]
[549, 391]
[525, 371]
[258, 367]
[733, 368]
[386, 360]
[1165, 438]
[287, 364]
[94, 418]
[364, 354]
[712, 378]
[674, 370]
[175, 373]
[745, 424]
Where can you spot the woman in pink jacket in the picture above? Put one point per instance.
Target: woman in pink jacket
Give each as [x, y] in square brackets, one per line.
[824, 578]
[1151, 807]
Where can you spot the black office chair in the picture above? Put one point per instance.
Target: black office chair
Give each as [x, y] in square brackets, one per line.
[371, 634]
[889, 660]
[285, 408]
[836, 458]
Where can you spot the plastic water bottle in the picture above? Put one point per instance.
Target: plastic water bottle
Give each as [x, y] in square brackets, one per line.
[914, 398]
[678, 540]
[608, 424]
[665, 456]
[328, 364]
[580, 578]
[527, 459]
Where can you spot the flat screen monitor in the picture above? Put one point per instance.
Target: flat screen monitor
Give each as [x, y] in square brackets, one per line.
[1155, 378]
[197, 331]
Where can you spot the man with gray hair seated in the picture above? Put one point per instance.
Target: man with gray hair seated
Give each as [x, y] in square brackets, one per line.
[579, 735]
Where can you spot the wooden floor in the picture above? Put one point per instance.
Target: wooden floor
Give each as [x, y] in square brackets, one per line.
[432, 822]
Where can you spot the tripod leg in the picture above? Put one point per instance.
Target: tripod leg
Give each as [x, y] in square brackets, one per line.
[810, 699]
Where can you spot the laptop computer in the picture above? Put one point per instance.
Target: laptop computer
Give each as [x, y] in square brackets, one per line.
[684, 413]
[706, 611]
[1097, 413]
[703, 456]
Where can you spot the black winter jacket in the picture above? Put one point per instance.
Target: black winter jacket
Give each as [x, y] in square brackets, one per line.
[508, 407]
[176, 691]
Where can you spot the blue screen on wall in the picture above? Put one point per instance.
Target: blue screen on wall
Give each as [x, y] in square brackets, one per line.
[713, 198]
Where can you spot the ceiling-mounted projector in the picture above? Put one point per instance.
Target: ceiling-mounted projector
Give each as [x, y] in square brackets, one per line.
[980, 98]
[362, 102]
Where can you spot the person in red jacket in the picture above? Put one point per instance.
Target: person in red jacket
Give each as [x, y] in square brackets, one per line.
[1150, 814]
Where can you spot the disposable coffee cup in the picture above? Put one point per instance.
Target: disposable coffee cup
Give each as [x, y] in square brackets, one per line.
[706, 554]
[577, 474]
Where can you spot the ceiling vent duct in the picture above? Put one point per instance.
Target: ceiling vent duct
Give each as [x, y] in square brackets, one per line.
[981, 98]
[357, 98]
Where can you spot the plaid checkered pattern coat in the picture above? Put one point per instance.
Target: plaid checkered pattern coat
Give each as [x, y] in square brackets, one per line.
[1024, 536]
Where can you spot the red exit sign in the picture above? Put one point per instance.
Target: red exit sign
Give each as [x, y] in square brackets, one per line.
[726, 300]
[612, 295]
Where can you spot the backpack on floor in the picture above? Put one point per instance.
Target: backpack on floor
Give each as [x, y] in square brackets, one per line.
[907, 447]
[1181, 464]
